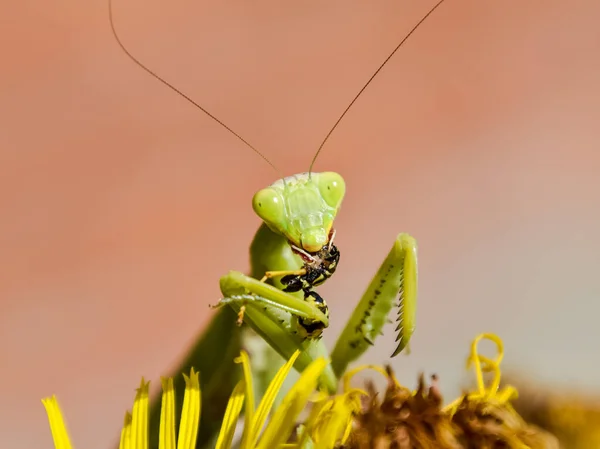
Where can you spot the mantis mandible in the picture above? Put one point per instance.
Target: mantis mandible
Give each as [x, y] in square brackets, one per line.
[294, 251]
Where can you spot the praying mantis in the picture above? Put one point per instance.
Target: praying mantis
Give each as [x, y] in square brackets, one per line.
[292, 253]
[294, 247]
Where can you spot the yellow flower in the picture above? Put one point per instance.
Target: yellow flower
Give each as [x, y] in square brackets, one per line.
[134, 434]
[483, 418]
[354, 419]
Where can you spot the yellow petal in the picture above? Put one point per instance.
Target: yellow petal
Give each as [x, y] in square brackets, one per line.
[268, 399]
[333, 420]
[139, 418]
[249, 410]
[305, 440]
[57, 424]
[284, 420]
[234, 407]
[190, 413]
[166, 437]
[353, 372]
[485, 364]
[125, 442]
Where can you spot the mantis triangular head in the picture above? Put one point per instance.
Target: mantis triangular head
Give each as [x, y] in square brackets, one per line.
[302, 207]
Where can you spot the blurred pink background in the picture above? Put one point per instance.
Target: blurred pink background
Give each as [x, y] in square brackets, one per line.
[122, 204]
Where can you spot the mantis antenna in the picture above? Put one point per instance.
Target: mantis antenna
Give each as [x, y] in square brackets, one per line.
[369, 82]
[180, 93]
[177, 91]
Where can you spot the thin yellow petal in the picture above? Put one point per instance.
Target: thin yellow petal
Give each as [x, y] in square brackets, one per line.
[334, 420]
[269, 398]
[125, 442]
[353, 372]
[139, 417]
[190, 413]
[234, 407]
[57, 423]
[249, 409]
[284, 420]
[305, 439]
[323, 433]
[166, 437]
[485, 364]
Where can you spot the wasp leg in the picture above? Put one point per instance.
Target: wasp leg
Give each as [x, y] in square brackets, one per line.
[272, 274]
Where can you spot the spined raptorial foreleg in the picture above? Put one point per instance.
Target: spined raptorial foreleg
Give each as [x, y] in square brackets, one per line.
[274, 315]
[394, 283]
[242, 289]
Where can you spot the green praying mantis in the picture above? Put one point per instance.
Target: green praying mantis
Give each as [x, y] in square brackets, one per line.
[292, 253]
[294, 248]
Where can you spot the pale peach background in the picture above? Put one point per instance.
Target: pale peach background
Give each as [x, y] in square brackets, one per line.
[122, 205]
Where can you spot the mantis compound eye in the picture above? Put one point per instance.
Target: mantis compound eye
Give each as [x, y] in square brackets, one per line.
[332, 188]
[268, 205]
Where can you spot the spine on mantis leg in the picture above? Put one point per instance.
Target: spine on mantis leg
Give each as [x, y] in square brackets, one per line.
[396, 278]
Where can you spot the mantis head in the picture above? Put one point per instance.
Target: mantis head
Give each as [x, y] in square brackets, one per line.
[302, 207]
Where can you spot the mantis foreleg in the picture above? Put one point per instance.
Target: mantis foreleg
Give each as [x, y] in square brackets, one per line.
[270, 312]
[396, 278]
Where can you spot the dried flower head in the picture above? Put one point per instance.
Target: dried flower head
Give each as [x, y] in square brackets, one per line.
[404, 419]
